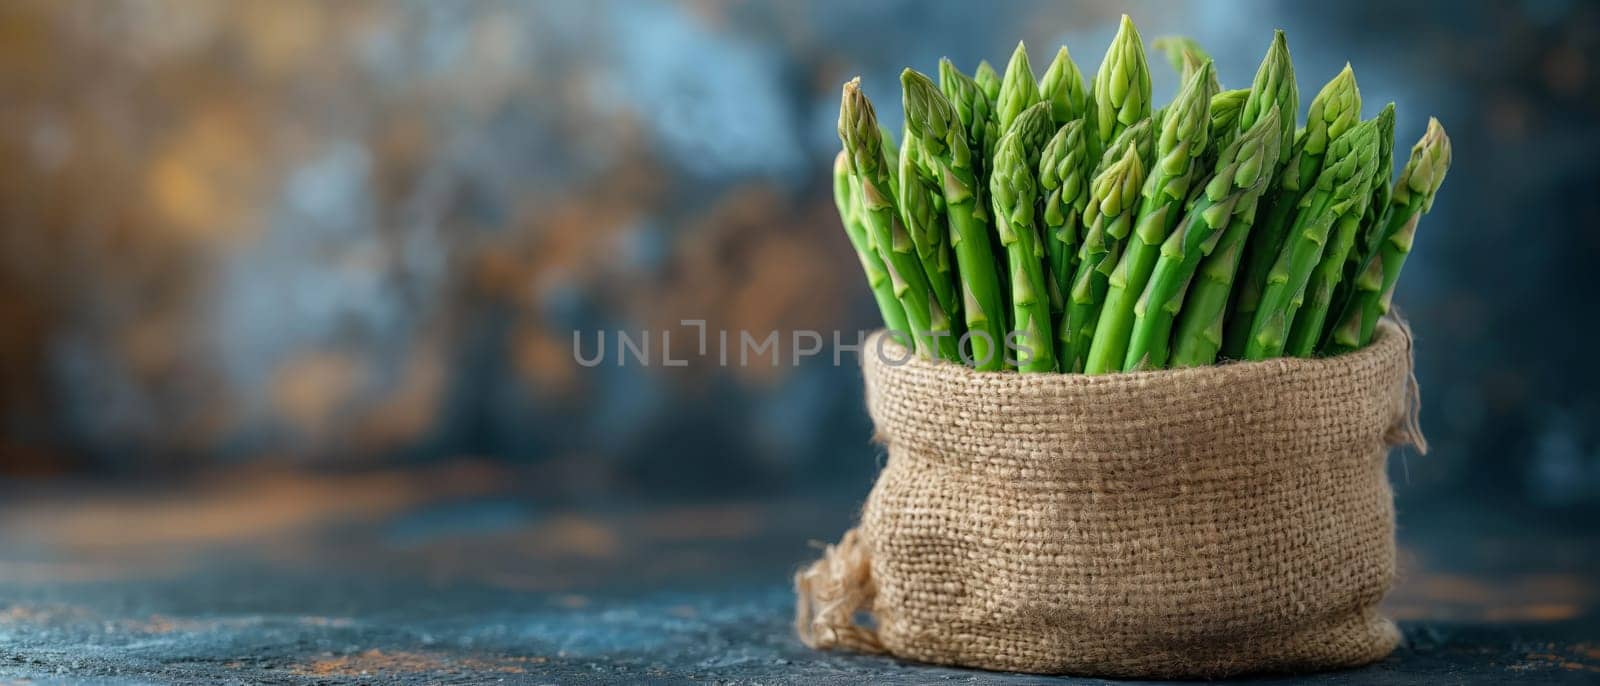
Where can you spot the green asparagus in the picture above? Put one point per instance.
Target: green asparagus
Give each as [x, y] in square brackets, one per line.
[989, 80]
[1112, 237]
[1121, 93]
[1113, 204]
[1064, 183]
[1062, 87]
[858, 129]
[1335, 109]
[1185, 133]
[1225, 109]
[844, 196]
[1229, 195]
[973, 109]
[925, 221]
[1340, 190]
[1018, 90]
[1306, 328]
[1013, 190]
[1274, 85]
[1412, 197]
[947, 152]
[1371, 231]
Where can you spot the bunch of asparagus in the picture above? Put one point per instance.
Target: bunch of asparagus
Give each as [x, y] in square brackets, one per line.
[1044, 225]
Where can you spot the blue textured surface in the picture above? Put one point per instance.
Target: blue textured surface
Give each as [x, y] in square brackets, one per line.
[457, 576]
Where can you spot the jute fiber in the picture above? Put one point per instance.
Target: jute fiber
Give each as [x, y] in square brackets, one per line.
[1184, 523]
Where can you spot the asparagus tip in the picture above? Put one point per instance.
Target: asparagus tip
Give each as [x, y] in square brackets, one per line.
[922, 100]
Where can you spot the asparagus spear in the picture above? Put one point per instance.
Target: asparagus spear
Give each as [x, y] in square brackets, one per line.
[1371, 231]
[1185, 133]
[1018, 91]
[989, 80]
[1274, 85]
[1121, 95]
[1198, 336]
[1063, 180]
[1033, 127]
[1340, 190]
[1308, 321]
[1186, 57]
[1230, 194]
[947, 153]
[1412, 197]
[1062, 87]
[858, 129]
[1113, 196]
[1272, 90]
[1310, 324]
[844, 196]
[1376, 212]
[1225, 109]
[921, 209]
[891, 155]
[1013, 191]
[977, 118]
[1336, 108]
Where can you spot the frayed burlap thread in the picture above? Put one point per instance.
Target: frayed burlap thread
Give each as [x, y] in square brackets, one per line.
[1185, 523]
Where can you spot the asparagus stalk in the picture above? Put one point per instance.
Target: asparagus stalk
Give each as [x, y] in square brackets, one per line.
[989, 80]
[1063, 181]
[1274, 85]
[1062, 87]
[976, 114]
[1412, 197]
[1335, 109]
[1371, 231]
[1378, 210]
[1198, 336]
[1225, 109]
[921, 209]
[1340, 190]
[891, 155]
[1113, 206]
[1307, 330]
[1230, 194]
[947, 153]
[1034, 128]
[1198, 333]
[1309, 319]
[1018, 90]
[1121, 95]
[1013, 191]
[858, 129]
[844, 196]
[1185, 133]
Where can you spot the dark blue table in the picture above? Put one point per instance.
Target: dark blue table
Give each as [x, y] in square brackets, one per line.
[473, 573]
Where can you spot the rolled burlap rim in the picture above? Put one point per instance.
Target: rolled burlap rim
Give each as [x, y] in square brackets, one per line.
[947, 568]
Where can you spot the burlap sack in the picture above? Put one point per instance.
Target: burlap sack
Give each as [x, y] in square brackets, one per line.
[1189, 523]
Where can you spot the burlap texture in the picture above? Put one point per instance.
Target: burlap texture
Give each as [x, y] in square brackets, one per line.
[1187, 523]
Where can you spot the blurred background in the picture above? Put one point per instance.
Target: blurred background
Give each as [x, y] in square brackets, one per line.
[357, 236]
